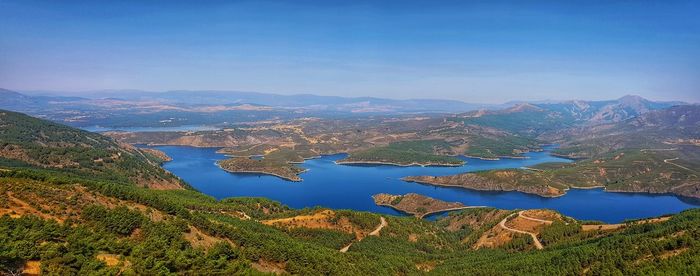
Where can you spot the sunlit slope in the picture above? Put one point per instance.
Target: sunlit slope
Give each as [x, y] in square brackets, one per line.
[27, 141]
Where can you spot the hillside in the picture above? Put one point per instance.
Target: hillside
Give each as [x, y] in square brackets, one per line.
[659, 129]
[31, 142]
[407, 153]
[657, 152]
[538, 118]
[73, 220]
[111, 230]
[630, 170]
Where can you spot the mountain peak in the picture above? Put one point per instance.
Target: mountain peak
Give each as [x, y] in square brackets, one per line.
[632, 99]
[523, 107]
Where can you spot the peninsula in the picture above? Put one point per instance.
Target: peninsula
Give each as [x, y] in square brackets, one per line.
[417, 205]
[406, 153]
[499, 180]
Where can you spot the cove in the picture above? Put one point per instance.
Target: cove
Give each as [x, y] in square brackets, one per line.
[351, 186]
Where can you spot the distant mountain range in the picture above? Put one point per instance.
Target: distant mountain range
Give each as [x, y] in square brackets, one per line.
[307, 101]
[657, 129]
[175, 108]
[538, 118]
[610, 110]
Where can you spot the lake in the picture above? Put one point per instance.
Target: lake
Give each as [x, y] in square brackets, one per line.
[351, 186]
[151, 129]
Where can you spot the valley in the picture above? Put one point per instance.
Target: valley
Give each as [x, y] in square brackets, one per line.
[337, 186]
[313, 195]
[337, 138]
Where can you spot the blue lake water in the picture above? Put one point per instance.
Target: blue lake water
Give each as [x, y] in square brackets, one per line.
[351, 187]
[150, 129]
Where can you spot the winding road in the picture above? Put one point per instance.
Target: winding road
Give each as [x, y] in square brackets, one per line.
[502, 224]
[375, 232]
[668, 161]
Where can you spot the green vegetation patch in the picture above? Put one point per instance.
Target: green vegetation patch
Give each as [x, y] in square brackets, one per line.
[406, 153]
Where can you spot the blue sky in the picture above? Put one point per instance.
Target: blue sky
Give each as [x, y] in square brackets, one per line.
[491, 51]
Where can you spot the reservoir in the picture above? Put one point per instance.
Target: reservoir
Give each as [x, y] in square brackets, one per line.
[351, 186]
[150, 129]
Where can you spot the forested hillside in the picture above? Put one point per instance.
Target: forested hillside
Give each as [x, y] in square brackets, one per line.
[81, 220]
[29, 142]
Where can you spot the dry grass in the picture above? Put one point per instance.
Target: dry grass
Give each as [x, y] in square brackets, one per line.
[610, 227]
[426, 266]
[325, 219]
[269, 267]
[494, 238]
[199, 239]
[18, 207]
[542, 214]
[109, 259]
[526, 225]
[32, 268]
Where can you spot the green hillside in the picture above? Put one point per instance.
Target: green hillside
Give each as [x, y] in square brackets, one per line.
[29, 142]
[406, 153]
[82, 220]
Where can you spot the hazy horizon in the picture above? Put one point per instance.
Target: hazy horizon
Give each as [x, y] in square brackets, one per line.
[491, 52]
[96, 94]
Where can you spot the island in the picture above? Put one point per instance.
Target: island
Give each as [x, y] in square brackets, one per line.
[417, 205]
[279, 162]
[282, 170]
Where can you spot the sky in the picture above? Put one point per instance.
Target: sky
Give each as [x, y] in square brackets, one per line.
[473, 51]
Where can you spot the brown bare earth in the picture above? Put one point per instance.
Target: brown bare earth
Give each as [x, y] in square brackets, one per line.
[475, 220]
[415, 204]
[426, 266]
[18, 207]
[109, 259]
[527, 222]
[382, 223]
[610, 227]
[199, 239]
[15, 202]
[325, 219]
[541, 214]
[32, 268]
[526, 225]
[269, 267]
[494, 238]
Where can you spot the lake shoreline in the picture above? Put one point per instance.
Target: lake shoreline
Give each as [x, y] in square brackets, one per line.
[407, 179]
[297, 179]
[351, 187]
[340, 162]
